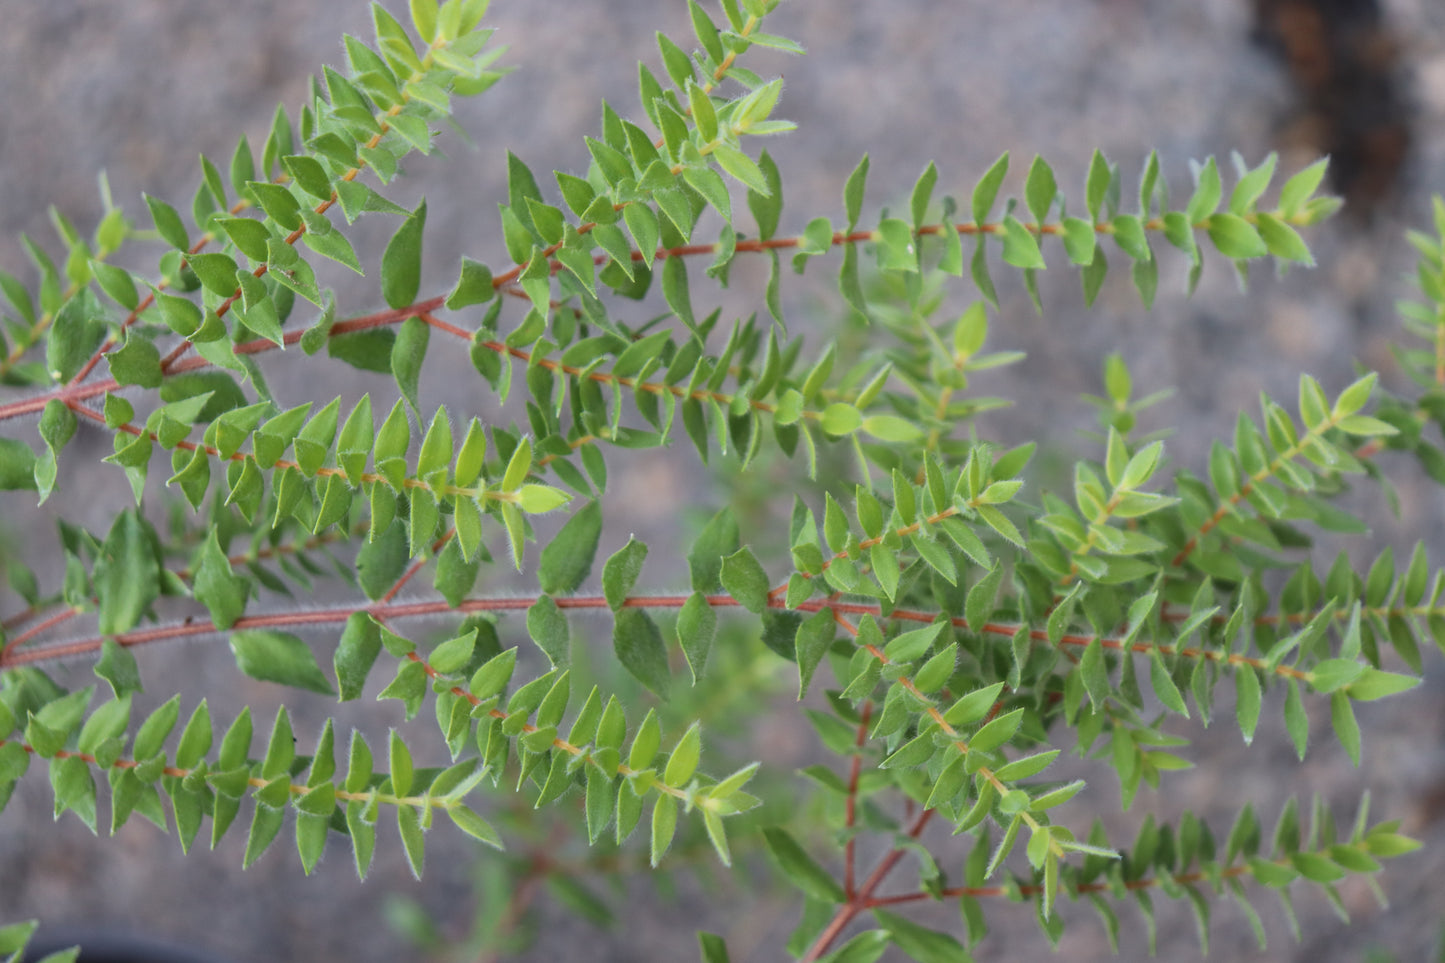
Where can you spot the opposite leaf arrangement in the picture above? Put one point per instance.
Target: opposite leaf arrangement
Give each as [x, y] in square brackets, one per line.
[956, 631]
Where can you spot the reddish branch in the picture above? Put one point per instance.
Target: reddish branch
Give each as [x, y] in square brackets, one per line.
[338, 615]
[173, 364]
[863, 899]
[850, 816]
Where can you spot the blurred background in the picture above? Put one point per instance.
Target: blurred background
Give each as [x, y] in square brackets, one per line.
[140, 88]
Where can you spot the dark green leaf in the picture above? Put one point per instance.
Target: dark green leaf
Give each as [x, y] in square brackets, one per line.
[814, 638]
[360, 645]
[620, 572]
[638, 645]
[547, 625]
[567, 559]
[744, 579]
[696, 626]
[78, 330]
[401, 264]
[800, 868]
[127, 573]
[279, 657]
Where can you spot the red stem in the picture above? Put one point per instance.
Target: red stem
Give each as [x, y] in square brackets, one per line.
[855, 773]
[863, 899]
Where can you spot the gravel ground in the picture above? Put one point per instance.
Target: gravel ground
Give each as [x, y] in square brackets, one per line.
[139, 88]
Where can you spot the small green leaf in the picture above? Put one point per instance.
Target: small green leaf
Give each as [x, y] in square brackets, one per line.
[683, 761]
[996, 733]
[841, 418]
[1235, 237]
[1247, 704]
[474, 825]
[127, 573]
[853, 192]
[75, 334]
[1300, 187]
[986, 190]
[547, 625]
[541, 499]
[696, 626]
[815, 636]
[664, 824]
[1095, 673]
[744, 579]
[567, 559]
[356, 654]
[278, 657]
[637, 642]
[408, 352]
[401, 264]
[168, 223]
[218, 588]
[1039, 189]
[800, 868]
[1020, 246]
[620, 572]
[1347, 728]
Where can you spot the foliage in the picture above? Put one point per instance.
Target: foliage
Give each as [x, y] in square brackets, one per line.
[952, 631]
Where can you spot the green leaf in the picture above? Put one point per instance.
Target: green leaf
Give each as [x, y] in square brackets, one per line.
[1376, 684]
[75, 334]
[713, 948]
[474, 825]
[168, 223]
[17, 466]
[1235, 237]
[474, 286]
[853, 192]
[637, 643]
[1020, 246]
[1347, 728]
[974, 706]
[454, 654]
[278, 657]
[620, 572]
[920, 942]
[696, 627]
[401, 264]
[1039, 189]
[1283, 241]
[1095, 673]
[800, 868]
[896, 248]
[997, 732]
[356, 654]
[127, 573]
[841, 418]
[815, 636]
[1299, 188]
[547, 625]
[675, 290]
[744, 579]
[1207, 193]
[978, 606]
[664, 824]
[218, 588]
[1247, 704]
[407, 354]
[567, 559]
[493, 675]
[890, 428]
[986, 190]
[116, 666]
[683, 761]
[540, 499]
